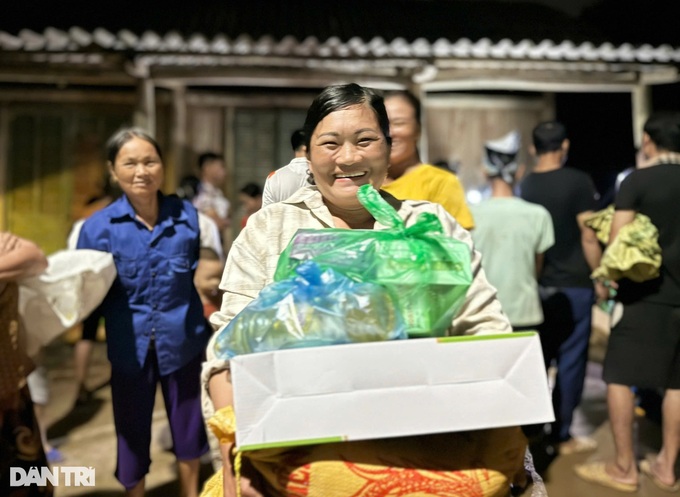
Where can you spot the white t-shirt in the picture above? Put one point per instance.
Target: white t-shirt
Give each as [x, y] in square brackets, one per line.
[285, 181]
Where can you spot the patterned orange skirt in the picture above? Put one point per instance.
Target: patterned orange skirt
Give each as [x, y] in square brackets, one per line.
[470, 464]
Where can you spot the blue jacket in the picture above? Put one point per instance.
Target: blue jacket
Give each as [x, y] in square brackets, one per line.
[153, 294]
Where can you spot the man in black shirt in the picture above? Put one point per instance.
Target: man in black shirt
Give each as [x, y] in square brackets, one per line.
[644, 346]
[566, 289]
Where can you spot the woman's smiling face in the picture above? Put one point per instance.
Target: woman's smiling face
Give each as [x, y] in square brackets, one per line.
[138, 169]
[404, 130]
[347, 150]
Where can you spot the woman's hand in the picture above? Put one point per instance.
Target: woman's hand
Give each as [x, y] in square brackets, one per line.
[229, 479]
[8, 242]
[247, 490]
[19, 258]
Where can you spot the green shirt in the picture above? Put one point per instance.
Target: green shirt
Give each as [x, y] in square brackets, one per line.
[509, 232]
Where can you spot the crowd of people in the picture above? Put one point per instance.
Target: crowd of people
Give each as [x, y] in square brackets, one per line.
[181, 276]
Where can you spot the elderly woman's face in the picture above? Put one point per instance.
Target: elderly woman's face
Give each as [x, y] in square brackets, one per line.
[138, 169]
[347, 150]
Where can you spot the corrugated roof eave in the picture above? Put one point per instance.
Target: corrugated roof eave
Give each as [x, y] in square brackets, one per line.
[76, 39]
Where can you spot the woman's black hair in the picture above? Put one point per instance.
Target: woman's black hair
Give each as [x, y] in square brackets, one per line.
[124, 135]
[338, 97]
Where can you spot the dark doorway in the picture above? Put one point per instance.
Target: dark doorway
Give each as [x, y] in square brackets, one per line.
[600, 127]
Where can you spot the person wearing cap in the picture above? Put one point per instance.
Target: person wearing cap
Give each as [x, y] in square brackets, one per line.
[512, 235]
[567, 291]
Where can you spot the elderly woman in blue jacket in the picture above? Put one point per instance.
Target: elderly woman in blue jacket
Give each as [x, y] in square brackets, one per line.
[156, 331]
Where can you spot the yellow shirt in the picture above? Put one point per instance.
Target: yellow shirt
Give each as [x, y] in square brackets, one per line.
[434, 184]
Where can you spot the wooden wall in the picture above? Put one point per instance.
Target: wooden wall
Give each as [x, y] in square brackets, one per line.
[54, 165]
[457, 126]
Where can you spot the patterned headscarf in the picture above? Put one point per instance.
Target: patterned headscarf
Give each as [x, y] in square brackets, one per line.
[500, 156]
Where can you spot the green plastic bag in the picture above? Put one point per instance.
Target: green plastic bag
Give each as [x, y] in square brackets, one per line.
[426, 272]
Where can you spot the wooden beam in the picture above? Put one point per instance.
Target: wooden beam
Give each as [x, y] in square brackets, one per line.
[466, 101]
[277, 77]
[64, 80]
[89, 96]
[240, 99]
[65, 69]
[481, 84]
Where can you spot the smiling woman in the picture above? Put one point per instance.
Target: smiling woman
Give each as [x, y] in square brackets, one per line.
[349, 151]
[348, 143]
[348, 147]
[137, 168]
[156, 332]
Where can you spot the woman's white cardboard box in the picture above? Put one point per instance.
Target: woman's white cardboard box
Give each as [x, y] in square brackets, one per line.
[388, 389]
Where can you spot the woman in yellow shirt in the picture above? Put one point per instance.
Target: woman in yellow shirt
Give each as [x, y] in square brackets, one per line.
[409, 178]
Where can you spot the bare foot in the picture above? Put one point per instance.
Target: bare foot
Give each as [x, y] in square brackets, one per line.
[662, 478]
[622, 475]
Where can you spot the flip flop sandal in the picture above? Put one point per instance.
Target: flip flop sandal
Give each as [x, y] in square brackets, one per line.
[595, 472]
[577, 446]
[646, 468]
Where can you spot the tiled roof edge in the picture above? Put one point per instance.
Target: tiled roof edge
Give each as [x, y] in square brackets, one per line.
[77, 39]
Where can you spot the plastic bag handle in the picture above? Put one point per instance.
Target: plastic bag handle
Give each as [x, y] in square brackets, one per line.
[386, 215]
[383, 212]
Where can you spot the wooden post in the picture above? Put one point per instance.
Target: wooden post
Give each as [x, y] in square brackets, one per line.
[548, 112]
[145, 113]
[641, 106]
[177, 168]
[230, 163]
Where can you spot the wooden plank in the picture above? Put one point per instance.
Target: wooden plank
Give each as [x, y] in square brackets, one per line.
[457, 134]
[89, 96]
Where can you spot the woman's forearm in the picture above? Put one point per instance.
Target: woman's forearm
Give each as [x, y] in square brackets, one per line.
[222, 395]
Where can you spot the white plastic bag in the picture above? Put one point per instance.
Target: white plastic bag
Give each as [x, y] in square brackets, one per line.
[73, 285]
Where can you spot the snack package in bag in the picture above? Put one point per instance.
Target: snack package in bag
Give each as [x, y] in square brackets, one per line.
[426, 272]
[313, 307]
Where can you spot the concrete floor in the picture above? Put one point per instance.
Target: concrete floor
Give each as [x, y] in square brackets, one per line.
[85, 435]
